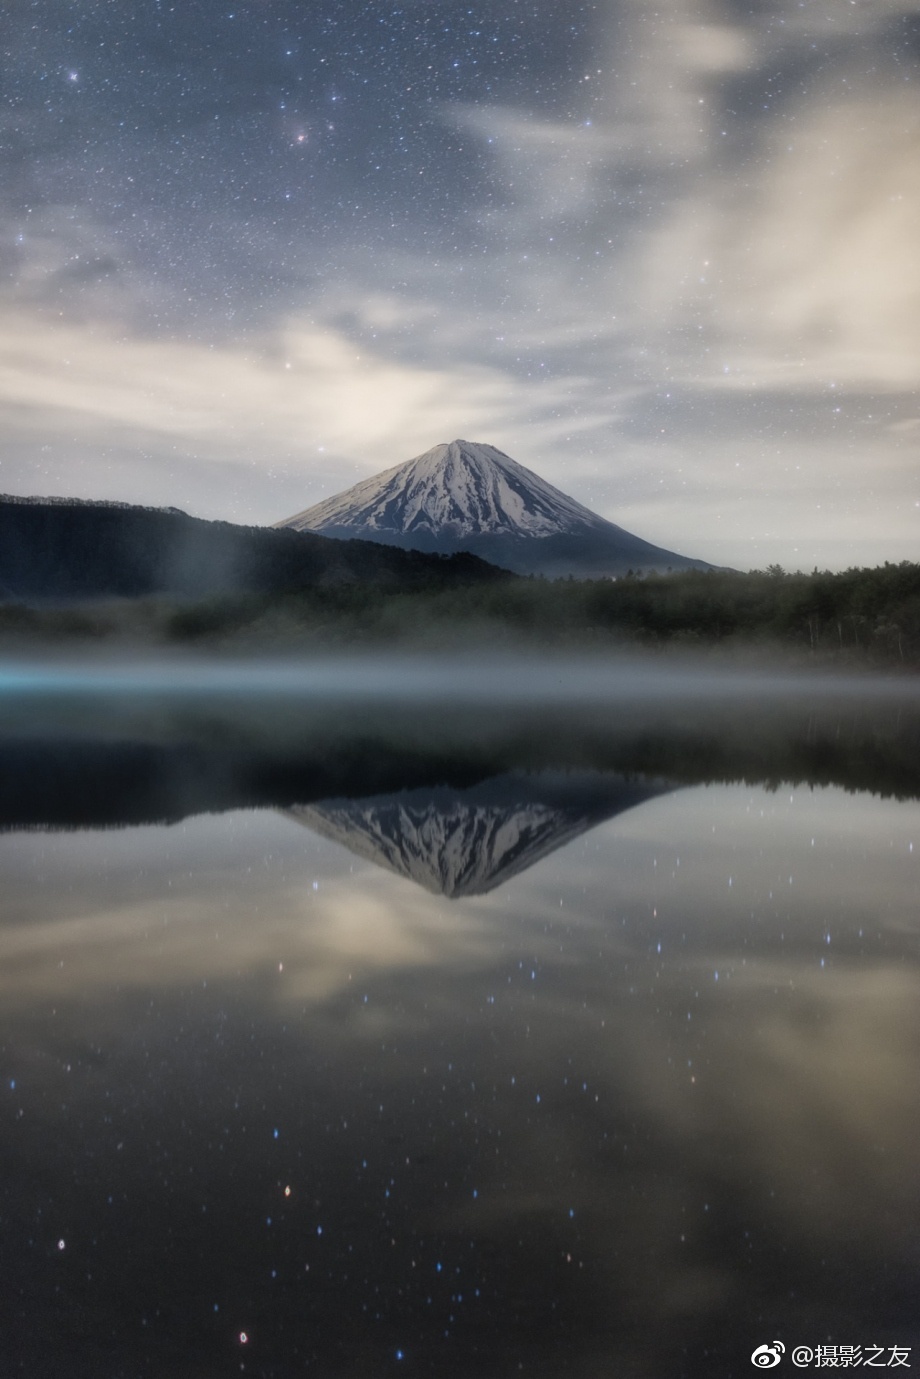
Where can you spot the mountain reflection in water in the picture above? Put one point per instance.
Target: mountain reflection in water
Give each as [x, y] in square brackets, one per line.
[148, 750]
[631, 1105]
[466, 842]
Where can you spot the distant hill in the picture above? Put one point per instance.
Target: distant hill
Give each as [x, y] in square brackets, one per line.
[464, 496]
[54, 549]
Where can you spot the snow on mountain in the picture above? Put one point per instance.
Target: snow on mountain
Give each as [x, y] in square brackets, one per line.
[460, 487]
[463, 495]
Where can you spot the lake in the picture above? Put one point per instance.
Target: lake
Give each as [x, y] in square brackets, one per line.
[371, 1019]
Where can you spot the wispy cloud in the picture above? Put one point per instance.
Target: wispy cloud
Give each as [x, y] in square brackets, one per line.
[304, 408]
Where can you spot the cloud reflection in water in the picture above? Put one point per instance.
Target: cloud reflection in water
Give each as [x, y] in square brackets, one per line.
[635, 1100]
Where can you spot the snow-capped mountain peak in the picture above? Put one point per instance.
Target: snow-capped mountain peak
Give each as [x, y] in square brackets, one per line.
[462, 488]
[465, 496]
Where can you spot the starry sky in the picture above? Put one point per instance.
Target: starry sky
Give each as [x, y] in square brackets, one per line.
[664, 255]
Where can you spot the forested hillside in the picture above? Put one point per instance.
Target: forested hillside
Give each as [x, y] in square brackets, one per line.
[67, 551]
[868, 616]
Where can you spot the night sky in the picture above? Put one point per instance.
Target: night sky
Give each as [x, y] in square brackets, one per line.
[665, 255]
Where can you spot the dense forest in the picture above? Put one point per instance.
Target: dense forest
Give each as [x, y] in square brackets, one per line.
[858, 616]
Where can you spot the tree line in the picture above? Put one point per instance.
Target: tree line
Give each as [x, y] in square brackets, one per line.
[860, 616]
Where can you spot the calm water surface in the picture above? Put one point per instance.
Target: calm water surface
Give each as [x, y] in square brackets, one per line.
[577, 1039]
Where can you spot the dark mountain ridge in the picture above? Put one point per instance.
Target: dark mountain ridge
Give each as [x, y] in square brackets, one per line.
[60, 550]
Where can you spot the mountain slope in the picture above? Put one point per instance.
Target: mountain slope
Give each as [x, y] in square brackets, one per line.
[472, 497]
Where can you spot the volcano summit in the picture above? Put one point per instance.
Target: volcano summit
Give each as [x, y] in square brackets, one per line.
[463, 496]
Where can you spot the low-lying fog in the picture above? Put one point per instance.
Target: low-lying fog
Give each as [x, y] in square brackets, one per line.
[498, 678]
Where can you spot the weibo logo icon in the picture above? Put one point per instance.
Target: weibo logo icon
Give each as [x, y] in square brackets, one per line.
[768, 1356]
